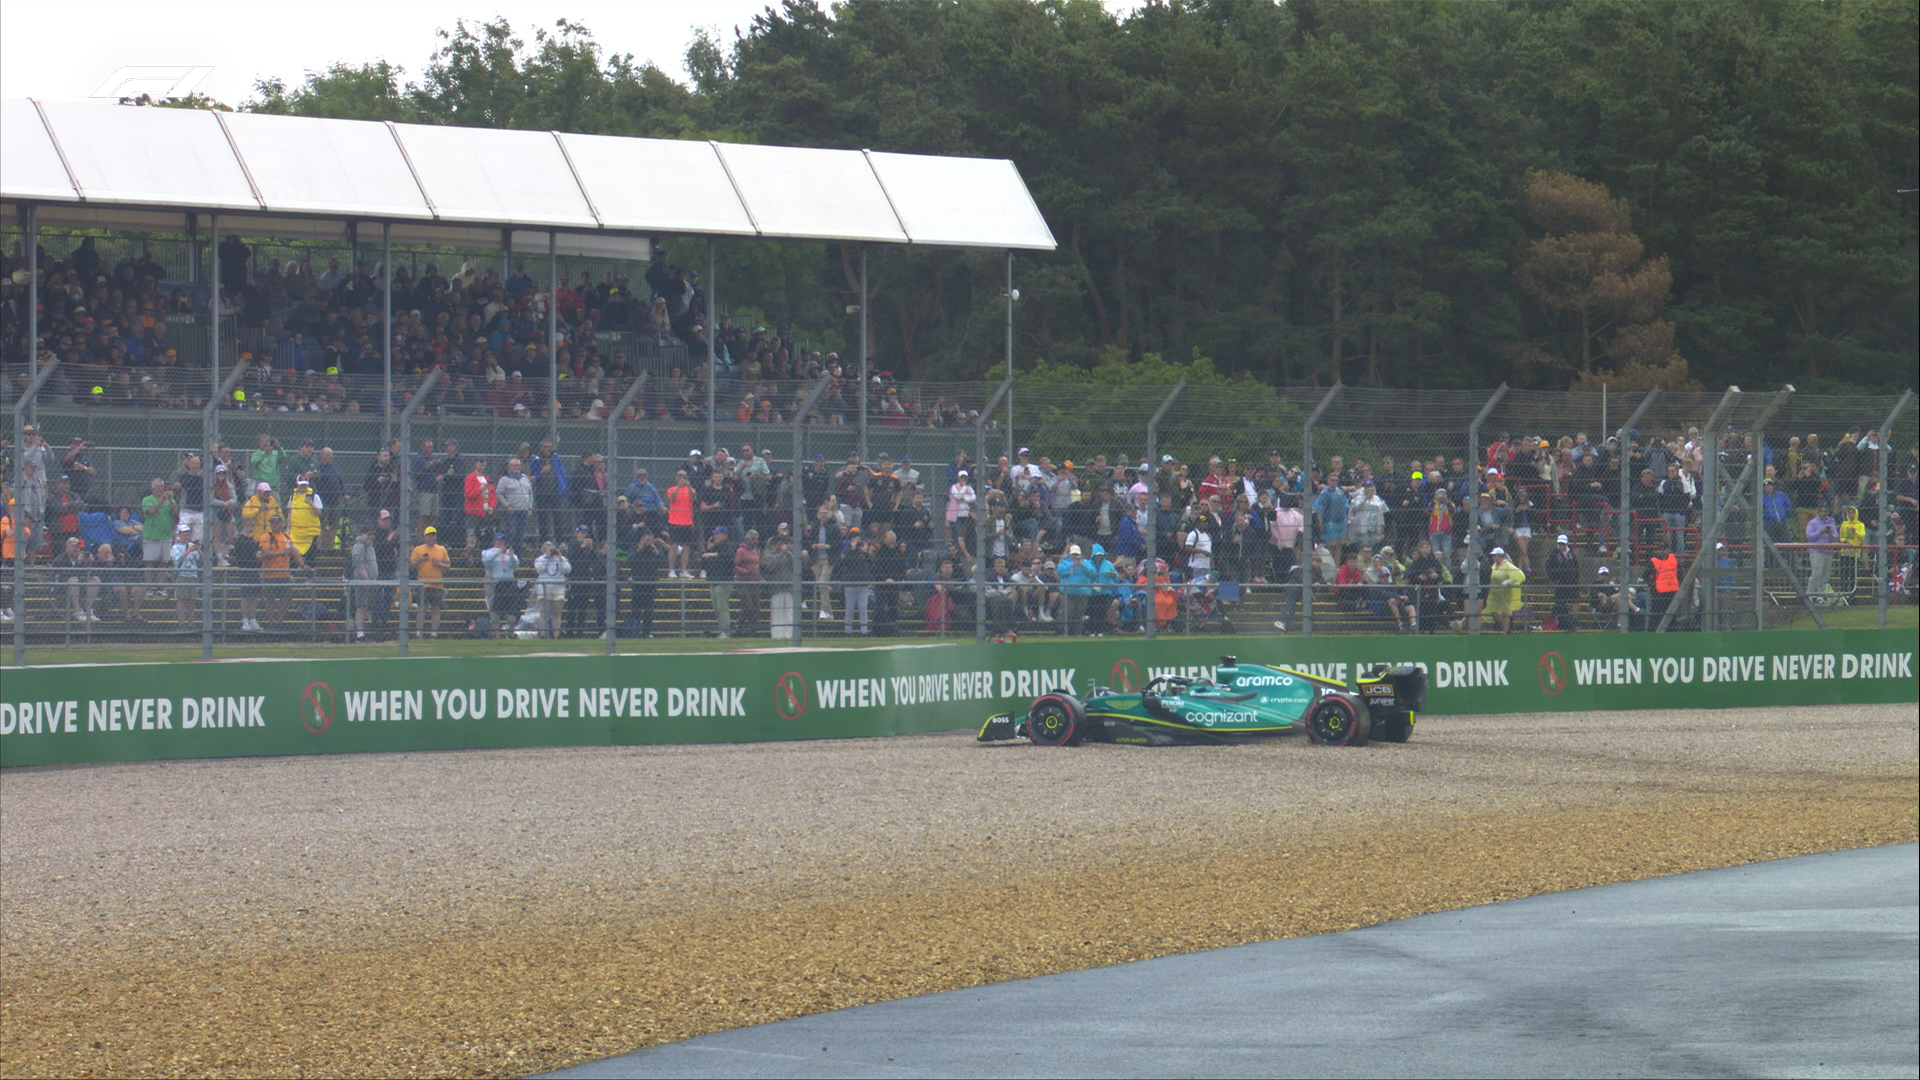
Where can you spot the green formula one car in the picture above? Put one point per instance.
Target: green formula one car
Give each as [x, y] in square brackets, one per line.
[1241, 702]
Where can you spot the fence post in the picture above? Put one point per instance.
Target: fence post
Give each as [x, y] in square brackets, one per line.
[1148, 622]
[1011, 296]
[1757, 499]
[210, 434]
[553, 338]
[865, 374]
[1473, 509]
[1623, 447]
[980, 563]
[21, 548]
[403, 566]
[712, 362]
[1883, 576]
[1312, 495]
[799, 508]
[612, 584]
[1694, 568]
[1710, 502]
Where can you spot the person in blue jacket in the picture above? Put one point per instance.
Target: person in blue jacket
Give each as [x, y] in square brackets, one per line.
[1077, 578]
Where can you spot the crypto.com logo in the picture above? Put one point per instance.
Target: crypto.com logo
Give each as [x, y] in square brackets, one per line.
[158, 81]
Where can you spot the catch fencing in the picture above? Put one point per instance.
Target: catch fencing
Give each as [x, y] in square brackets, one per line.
[1213, 509]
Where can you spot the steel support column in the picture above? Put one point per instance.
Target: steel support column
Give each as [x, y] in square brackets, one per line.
[1883, 575]
[1710, 513]
[980, 564]
[1623, 552]
[865, 360]
[799, 507]
[553, 340]
[713, 439]
[403, 566]
[1305, 562]
[1149, 624]
[613, 462]
[386, 336]
[209, 555]
[1473, 509]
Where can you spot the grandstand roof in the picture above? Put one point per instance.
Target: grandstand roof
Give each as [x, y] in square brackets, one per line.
[111, 166]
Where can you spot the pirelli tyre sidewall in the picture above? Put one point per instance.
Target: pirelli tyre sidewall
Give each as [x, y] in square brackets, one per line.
[1338, 720]
[1057, 719]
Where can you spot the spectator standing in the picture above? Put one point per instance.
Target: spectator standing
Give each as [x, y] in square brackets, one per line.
[587, 560]
[75, 565]
[824, 544]
[480, 501]
[451, 480]
[430, 562]
[234, 256]
[382, 485]
[158, 514]
[305, 512]
[267, 465]
[1330, 509]
[1822, 532]
[515, 491]
[890, 560]
[856, 571]
[185, 552]
[777, 568]
[1776, 509]
[748, 589]
[645, 567]
[1563, 570]
[1367, 516]
[501, 565]
[1504, 596]
[1663, 570]
[363, 565]
[716, 562]
[551, 489]
[427, 467]
[1077, 577]
[550, 570]
[680, 525]
[330, 489]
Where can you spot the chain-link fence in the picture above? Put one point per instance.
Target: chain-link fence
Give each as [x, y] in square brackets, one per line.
[183, 514]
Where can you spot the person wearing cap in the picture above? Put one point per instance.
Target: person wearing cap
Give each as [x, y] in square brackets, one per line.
[1077, 580]
[1823, 534]
[550, 569]
[1776, 509]
[304, 515]
[1504, 583]
[1608, 596]
[717, 565]
[184, 556]
[1025, 473]
[35, 460]
[277, 558]
[1563, 571]
[430, 562]
[501, 564]
[645, 497]
[1366, 516]
[257, 514]
[961, 498]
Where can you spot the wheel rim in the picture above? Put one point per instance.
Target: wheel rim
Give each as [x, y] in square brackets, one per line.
[1049, 723]
[1332, 725]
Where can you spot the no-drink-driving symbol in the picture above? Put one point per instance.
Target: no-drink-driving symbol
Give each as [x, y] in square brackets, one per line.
[1553, 673]
[1126, 676]
[316, 707]
[790, 695]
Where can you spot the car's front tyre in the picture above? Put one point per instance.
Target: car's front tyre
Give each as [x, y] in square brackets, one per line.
[1057, 720]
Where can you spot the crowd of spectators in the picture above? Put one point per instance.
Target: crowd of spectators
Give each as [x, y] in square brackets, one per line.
[882, 544]
[313, 339]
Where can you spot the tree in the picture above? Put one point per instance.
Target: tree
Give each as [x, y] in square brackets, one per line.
[1589, 274]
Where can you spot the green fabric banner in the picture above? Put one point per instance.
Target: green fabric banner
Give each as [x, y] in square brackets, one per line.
[134, 712]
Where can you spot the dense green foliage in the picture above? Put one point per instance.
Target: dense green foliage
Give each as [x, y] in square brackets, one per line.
[1307, 190]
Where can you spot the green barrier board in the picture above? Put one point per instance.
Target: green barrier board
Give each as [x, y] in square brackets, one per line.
[135, 712]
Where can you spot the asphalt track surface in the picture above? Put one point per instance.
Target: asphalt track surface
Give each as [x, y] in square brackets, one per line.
[1802, 967]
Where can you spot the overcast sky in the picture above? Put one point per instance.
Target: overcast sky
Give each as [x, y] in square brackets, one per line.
[66, 49]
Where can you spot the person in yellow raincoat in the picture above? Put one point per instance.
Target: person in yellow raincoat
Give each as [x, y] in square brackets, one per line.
[1503, 593]
[258, 512]
[1853, 534]
[303, 516]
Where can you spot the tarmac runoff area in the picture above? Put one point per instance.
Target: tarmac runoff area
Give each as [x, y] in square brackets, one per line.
[1801, 967]
[504, 913]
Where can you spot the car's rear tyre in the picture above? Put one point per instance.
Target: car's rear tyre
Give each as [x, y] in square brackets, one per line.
[1335, 722]
[1056, 720]
[1397, 728]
